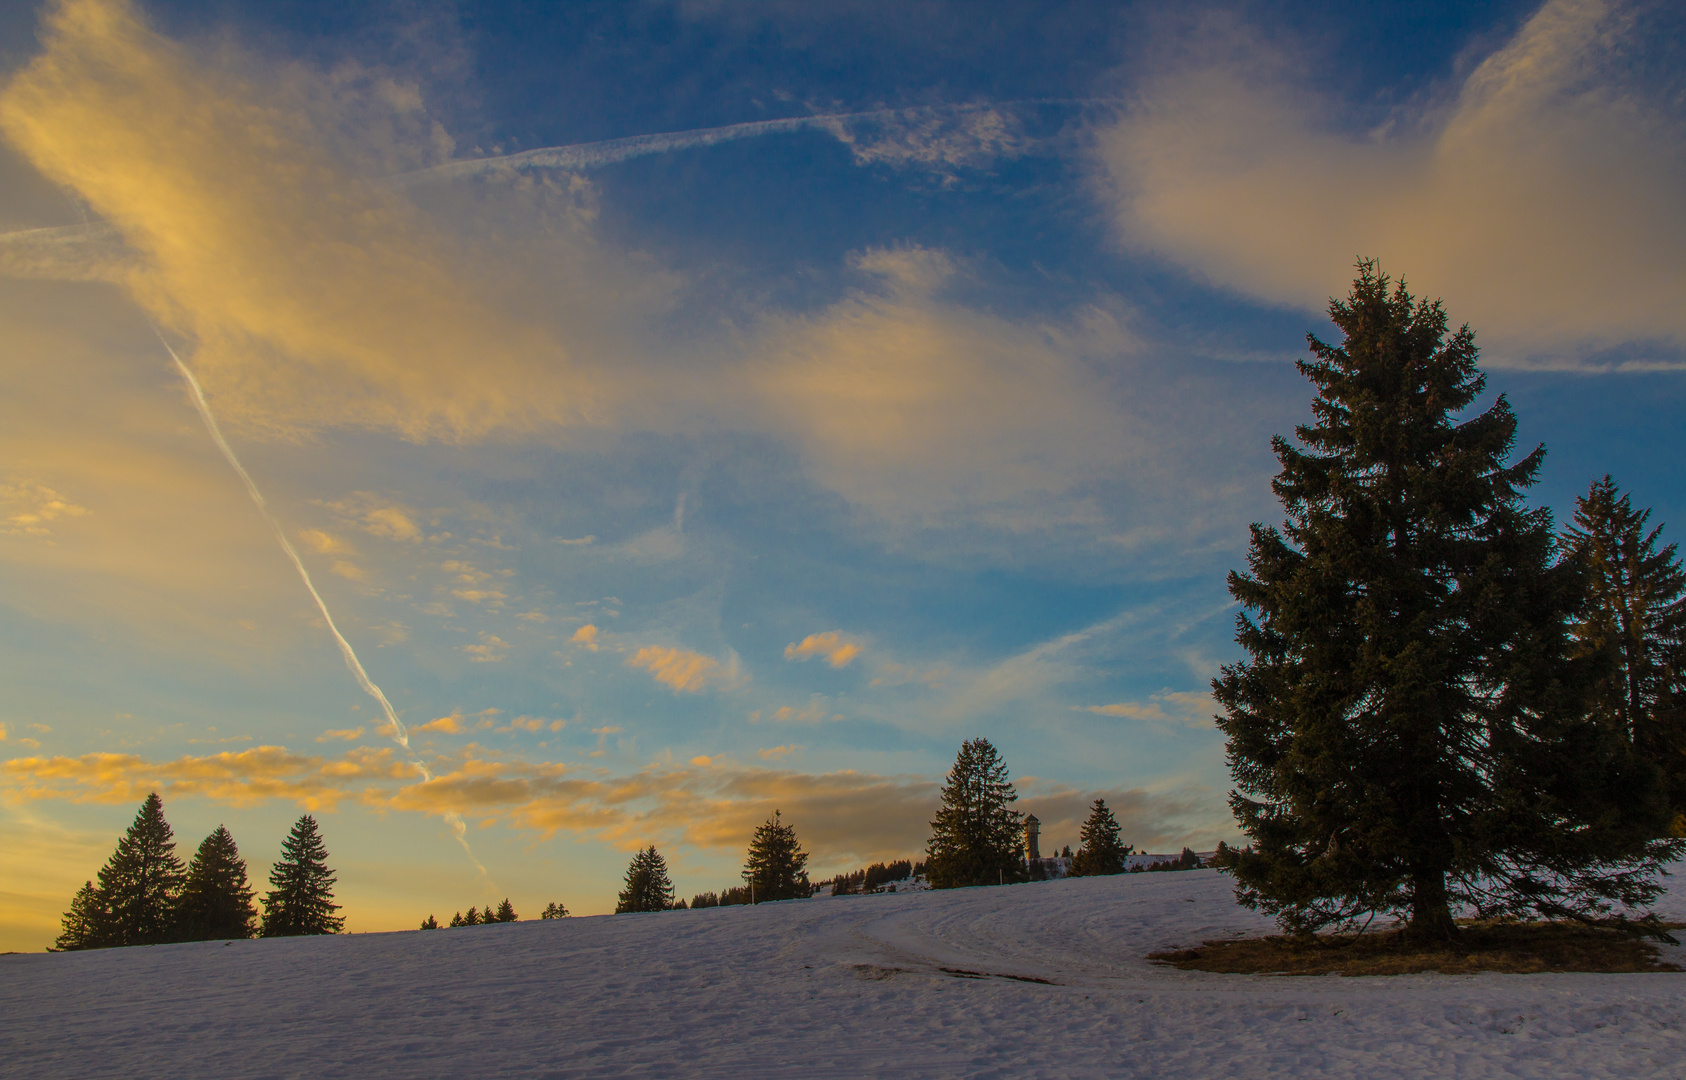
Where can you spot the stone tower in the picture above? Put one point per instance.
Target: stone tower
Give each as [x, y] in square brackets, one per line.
[1031, 828]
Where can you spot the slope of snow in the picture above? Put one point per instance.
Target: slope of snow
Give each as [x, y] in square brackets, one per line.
[921, 984]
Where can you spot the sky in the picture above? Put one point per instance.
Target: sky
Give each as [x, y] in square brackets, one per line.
[518, 434]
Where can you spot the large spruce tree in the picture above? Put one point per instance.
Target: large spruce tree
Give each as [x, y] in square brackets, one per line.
[138, 884]
[977, 837]
[1101, 852]
[1410, 731]
[776, 867]
[216, 900]
[1634, 622]
[301, 900]
[648, 887]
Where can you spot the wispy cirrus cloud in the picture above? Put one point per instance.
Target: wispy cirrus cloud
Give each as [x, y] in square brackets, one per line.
[683, 670]
[1541, 199]
[837, 651]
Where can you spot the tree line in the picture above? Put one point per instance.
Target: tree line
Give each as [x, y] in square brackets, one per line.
[145, 896]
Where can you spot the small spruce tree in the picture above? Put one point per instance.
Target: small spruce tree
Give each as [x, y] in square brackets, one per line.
[430, 923]
[776, 867]
[976, 838]
[457, 920]
[138, 884]
[216, 901]
[553, 910]
[1100, 851]
[472, 918]
[648, 887]
[85, 924]
[302, 899]
[506, 911]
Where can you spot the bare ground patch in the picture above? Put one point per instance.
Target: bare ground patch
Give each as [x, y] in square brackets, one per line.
[1509, 947]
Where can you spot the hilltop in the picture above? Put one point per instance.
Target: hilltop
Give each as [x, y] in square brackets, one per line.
[1044, 979]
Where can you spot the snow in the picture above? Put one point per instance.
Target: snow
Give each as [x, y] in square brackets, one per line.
[905, 984]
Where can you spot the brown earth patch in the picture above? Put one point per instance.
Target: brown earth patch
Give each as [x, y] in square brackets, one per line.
[1509, 947]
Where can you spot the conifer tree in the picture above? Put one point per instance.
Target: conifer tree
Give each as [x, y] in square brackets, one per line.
[976, 837]
[554, 910]
[472, 918]
[506, 911]
[1634, 621]
[1100, 852]
[302, 899]
[430, 923]
[648, 887]
[85, 924]
[216, 901]
[138, 884]
[1409, 732]
[776, 867]
[457, 920]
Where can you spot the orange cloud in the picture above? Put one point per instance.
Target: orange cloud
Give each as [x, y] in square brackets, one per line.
[586, 636]
[830, 645]
[1192, 708]
[683, 670]
[348, 734]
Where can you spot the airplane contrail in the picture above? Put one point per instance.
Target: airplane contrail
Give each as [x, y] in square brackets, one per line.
[400, 734]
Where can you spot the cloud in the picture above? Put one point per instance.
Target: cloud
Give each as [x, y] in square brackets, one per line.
[348, 734]
[312, 296]
[1190, 708]
[940, 140]
[1542, 200]
[377, 516]
[683, 670]
[234, 779]
[777, 753]
[324, 543]
[917, 407]
[830, 645]
[28, 508]
[490, 649]
[586, 636]
[812, 713]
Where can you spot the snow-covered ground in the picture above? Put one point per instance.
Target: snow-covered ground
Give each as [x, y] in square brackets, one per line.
[910, 984]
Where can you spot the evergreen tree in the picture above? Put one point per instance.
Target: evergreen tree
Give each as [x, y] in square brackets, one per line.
[506, 911]
[976, 838]
[430, 923]
[302, 900]
[1100, 852]
[776, 867]
[554, 911]
[647, 885]
[85, 924]
[472, 918]
[216, 901]
[457, 920]
[1409, 730]
[138, 884]
[1634, 621]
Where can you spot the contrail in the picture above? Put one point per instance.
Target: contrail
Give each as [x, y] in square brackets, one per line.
[400, 734]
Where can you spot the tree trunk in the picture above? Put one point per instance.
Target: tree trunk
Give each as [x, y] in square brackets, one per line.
[1431, 915]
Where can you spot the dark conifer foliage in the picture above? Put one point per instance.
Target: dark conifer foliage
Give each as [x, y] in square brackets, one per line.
[976, 838]
[216, 901]
[1101, 851]
[139, 883]
[1409, 730]
[1634, 621]
[430, 923]
[85, 924]
[301, 901]
[457, 920]
[505, 912]
[704, 900]
[554, 910]
[776, 867]
[472, 918]
[648, 887]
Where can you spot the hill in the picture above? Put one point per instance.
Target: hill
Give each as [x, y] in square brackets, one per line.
[1032, 980]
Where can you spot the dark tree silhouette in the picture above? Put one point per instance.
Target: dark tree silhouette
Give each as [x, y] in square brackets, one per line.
[648, 887]
[1100, 852]
[216, 901]
[138, 884]
[976, 837]
[85, 923]
[776, 867]
[554, 910]
[1634, 622]
[1409, 731]
[301, 901]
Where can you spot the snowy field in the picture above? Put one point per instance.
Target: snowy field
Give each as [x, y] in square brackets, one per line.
[926, 984]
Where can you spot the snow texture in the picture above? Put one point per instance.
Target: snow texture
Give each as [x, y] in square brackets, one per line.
[1045, 979]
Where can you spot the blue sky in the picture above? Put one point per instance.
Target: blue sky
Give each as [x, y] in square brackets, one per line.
[660, 485]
